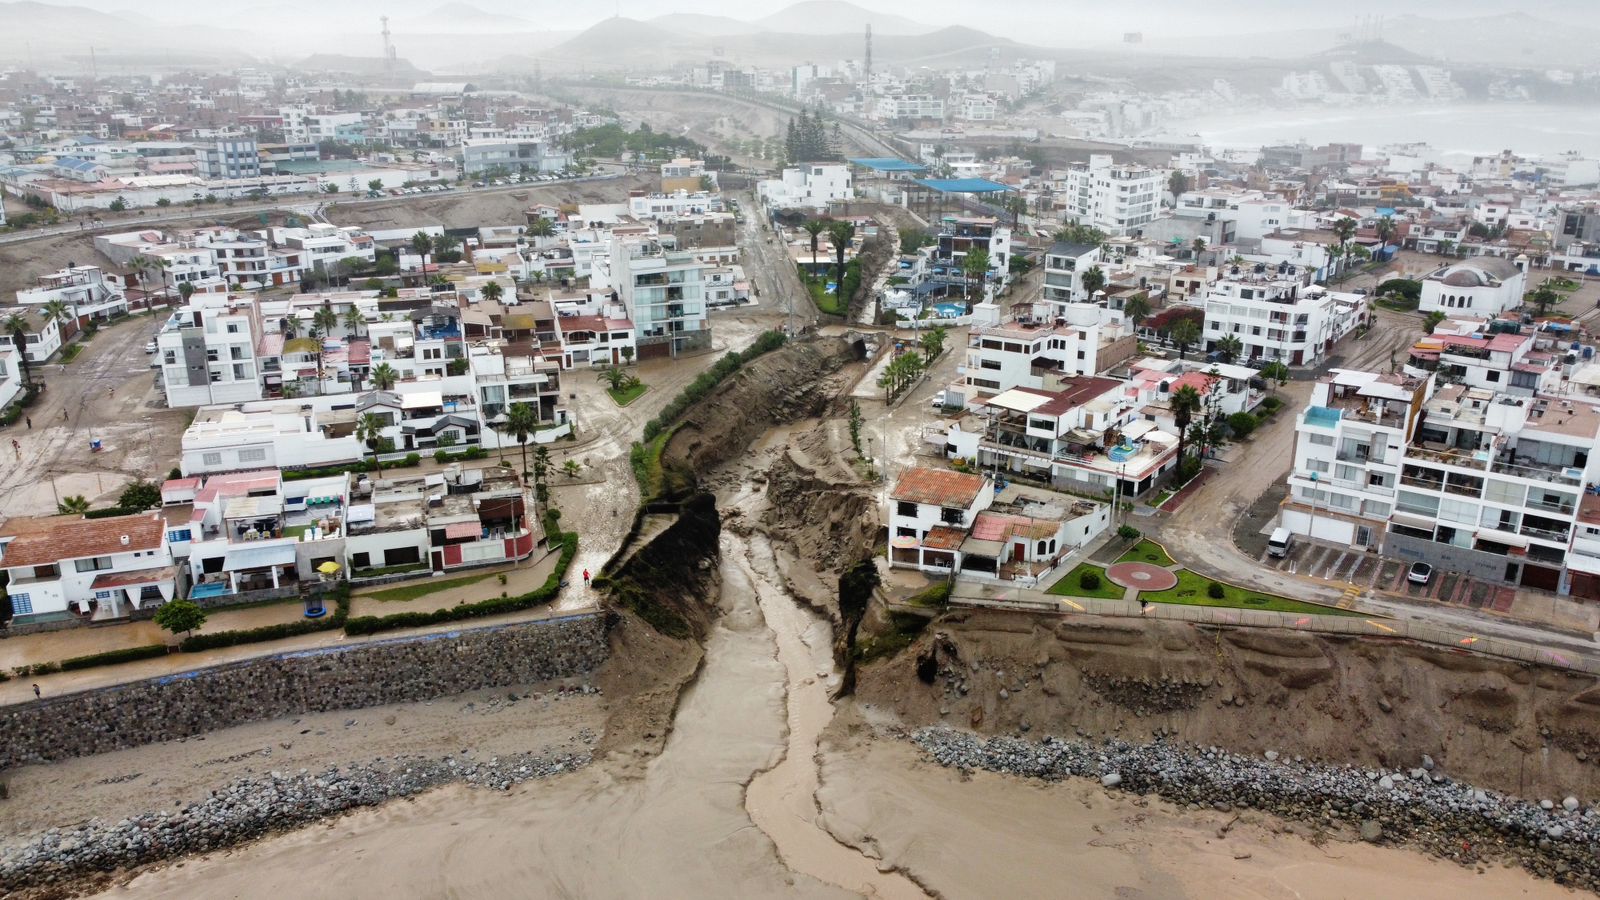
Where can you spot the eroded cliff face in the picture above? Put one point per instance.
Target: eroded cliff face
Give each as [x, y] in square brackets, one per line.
[1526, 730]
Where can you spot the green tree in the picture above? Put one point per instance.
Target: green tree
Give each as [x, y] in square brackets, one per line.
[1276, 373]
[180, 615]
[814, 227]
[1199, 247]
[384, 377]
[933, 342]
[913, 239]
[1344, 229]
[614, 378]
[1094, 281]
[1185, 403]
[185, 291]
[354, 320]
[17, 326]
[975, 266]
[1544, 297]
[140, 495]
[369, 431]
[572, 468]
[119, 204]
[58, 310]
[1178, 183]
[855, 421]
[1447, 248]
[542, 227]
[492, 291]
[1137, 309]
[541, 472]
[422, 245]
[1385, 229]
[375, 184]
[521, 422]
[1230, 348]
[1431, 321]
[1183, 334]
[840, 234]
[74, 505]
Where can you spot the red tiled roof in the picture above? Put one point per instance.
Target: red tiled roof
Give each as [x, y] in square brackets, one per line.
[463, 530]
[570, 324]
[79, 538]
[360, 352]
[938, 487]
[943, 537]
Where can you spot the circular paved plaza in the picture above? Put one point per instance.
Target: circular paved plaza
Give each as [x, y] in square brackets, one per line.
[1144, 576]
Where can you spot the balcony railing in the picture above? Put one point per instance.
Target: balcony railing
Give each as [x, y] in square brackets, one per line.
[1547, 534]
[1551, 474]
[1450, 458]
[1430, 484]
[1562, 508]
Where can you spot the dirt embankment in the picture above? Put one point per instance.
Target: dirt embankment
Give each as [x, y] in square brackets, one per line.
[1529, 731]
[799, 380]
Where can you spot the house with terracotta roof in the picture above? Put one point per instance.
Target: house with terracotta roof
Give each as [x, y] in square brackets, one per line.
[93, 569]
[931, 512]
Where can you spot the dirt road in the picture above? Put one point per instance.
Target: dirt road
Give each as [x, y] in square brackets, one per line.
[108, 394]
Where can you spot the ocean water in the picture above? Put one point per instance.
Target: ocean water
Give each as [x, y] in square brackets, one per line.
[1454, 131]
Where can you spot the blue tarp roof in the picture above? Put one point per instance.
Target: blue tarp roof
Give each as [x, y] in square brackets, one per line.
[888, 164]
[962, 185]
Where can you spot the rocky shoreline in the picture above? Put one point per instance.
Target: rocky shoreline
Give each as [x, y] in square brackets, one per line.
[251, 808]
[1420, 807]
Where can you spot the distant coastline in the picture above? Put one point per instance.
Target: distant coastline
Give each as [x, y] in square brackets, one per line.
[1453, 130]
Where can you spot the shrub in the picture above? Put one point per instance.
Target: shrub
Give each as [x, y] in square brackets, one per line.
[1272, 403]
[180, 615]
[174, 473]
[709, 379]
[140, 495]
[1216, 591]
[1128, 532]
[112, 657]
[1241, 423]
[413, 459]
[1089, 581]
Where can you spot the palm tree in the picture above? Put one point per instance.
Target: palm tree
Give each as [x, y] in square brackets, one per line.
[1544, 297]
[1199, 247]
[1229, 348]
[1447, 248]
[614, 378]
[185, 291]
[353, 320]
[1183, 333]
[933, 342]
[384, 376]
[542, 227]
[492, 291]
[840, 234]
[59, 310]
[975, 266]
[17, 326]
[814, 227]
[1185, 403]
[325, 319]
[1137, 309]
[521, 422]
[422, 245]
[1385, 229]
[369, 431]
[75, 505]
[1094, 281]
[1344, 230]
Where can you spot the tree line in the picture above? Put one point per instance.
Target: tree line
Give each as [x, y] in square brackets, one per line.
[809, 139]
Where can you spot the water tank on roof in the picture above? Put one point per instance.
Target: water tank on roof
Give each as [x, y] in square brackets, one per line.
[1588, 352]
[1082, 314]
[1166, 386]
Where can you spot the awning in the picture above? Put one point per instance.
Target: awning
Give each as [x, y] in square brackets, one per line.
[113, 580]
[459, 530]
[1411, 521]
[1135, 430]
[1502, 537]
[258, 557]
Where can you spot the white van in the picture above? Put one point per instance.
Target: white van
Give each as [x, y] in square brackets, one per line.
[1281, 541]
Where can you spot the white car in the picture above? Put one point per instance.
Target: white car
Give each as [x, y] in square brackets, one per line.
[150, 346]
[938, 400]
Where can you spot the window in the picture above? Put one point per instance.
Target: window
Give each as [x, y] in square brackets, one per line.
[1317, 465]
[951, 516]
[254, 454]
[102, 595]
[92, 564]
[905, 508]
[21, 605]
[1492, 375]
[1346, 473]
[211, 459]
[178, 535]
[1321, 440]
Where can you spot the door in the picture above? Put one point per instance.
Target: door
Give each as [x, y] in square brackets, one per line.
[1018, 552]
[438, 560]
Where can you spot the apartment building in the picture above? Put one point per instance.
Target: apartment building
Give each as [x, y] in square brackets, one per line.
[322, 246]
[1064, 265]
[88, 294]
[1280, 317]
[1038, 351]
[1467, 479]
[10, 373]
[93, 569]
[811, 186]
[674, 204]
[228, 158]
[908, 106]
[480, 155]
[959, 236]
[1484, 286]
[664, 291]
[1494, 356]
[1118, 199]
[207, 351]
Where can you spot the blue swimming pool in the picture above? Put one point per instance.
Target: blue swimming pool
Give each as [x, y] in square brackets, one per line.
[212, 589]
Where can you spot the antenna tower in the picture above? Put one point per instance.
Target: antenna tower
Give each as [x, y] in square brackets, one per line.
[866, 69]
[388, 47]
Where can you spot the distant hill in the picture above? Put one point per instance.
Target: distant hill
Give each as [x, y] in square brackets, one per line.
[1371, 53]
[837, 17]
[458, 18]
[693, 24]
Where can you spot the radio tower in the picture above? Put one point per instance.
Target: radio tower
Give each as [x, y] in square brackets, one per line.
[388, 48]
[866, 68]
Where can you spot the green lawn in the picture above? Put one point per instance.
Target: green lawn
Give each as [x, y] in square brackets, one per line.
[295, 531]
[1068, 585]
[628, 394]
[1146, 551]
[423, 589]
[823, 298]
[71, 352]
[1191, 591]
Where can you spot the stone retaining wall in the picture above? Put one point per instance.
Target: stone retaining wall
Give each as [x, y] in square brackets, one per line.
[407, 669]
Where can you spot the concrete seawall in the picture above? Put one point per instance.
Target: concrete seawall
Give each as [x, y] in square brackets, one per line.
[404, 669]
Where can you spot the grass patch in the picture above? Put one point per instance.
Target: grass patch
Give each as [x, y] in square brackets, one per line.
[423, 589]
[628, 394]
[1162, 496]
[903, 629]
[1068, 585]
[936, 597]
[822, 297]
[295, 531]
[390, 570]
[1191, 591]
[1146, 551]
[645, 458]
[71, 353]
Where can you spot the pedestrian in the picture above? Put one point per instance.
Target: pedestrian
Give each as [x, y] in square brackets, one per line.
[64, 414]
[29, 420]
[585, 577]
[36, 694]
[16, 448]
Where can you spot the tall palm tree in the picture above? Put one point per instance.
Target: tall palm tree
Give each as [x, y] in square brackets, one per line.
[492, 291]
[1229, 348]
[1344, 230]
[74, 505]
[542, 227]
[1447, 248]
[59, 310]
[325, 318]
[353, 320]
[521, 422]
[840, 234]
[1094, 280]
[1185, 403]
[1385, 229]
[384, 376]
[1183, 333]
[1137, 309]
[17, 327]
[1199, 247]
[975, 266]
[369, 431]
[814, 227]
[422, 245]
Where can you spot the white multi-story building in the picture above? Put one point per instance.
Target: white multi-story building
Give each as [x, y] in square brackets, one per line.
[809, 186]
[1280, 318]
[322, 245]
[1040, 353]
[677, 203]
[1485, 286]
[479, 155]
[1064, 265]
[96, 569]
[908, 106]
[229, 158]
[10, 373]
[664, 291]
[85, 291]
[41, 336]
[1116, 198]
[207, 351]
[931, 510]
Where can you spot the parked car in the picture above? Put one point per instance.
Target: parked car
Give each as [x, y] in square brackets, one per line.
[150, 346]
[938, 400]
[1419, 573]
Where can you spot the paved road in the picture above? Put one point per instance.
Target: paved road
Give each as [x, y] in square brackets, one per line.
[768, 264]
